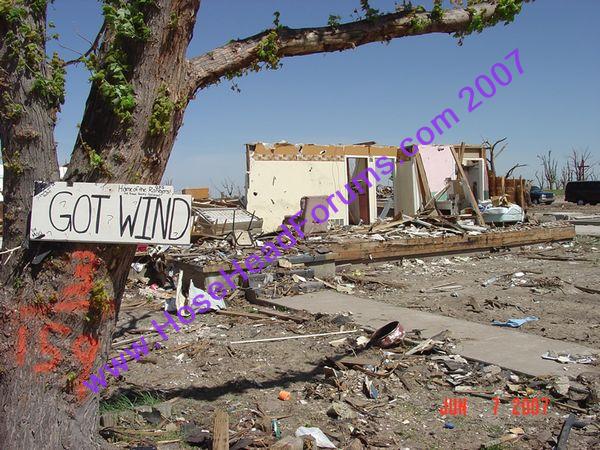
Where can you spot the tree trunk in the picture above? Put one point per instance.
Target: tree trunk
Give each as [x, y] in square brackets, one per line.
[26, 133]
[60, 318]
[492, 162]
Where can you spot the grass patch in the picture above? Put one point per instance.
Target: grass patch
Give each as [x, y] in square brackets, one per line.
[124, 402]
[495, 431]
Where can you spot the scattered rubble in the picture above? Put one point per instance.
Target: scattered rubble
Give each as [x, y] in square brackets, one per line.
[290, 380]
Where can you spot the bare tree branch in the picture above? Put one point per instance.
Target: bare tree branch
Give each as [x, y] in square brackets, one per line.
[512, 169]
[244, 53]
[229, 188]
[549, 169]
[580, 164]
[491, 148]
[93, 46]
[501, 150]
[566, 175]
[540, 179]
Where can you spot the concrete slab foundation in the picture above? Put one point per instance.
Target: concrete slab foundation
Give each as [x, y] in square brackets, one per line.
[508, 348]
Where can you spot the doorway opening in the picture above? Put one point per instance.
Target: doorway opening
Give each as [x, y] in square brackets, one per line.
[358, 211]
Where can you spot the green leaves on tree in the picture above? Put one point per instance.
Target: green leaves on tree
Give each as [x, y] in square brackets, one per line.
[10, 110]
[162, 111]
[26, 49]
[437, 13]
[418, 24]
[506, 11]
[267, 51]
[52, 89]
[127, 20]
[112, 82]
[370, 13]
[334, 21]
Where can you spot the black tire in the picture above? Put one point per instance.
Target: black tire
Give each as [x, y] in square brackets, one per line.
[535, 202]
[580, 202]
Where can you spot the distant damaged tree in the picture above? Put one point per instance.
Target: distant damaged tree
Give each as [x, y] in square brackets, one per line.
[581, 164]
[229, 188]
[59, 302]
[539, 179]
[512, 169]
[549, 169]
[566, 175]
[494, 152]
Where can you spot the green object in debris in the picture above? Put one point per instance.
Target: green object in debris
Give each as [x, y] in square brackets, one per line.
[276, 429]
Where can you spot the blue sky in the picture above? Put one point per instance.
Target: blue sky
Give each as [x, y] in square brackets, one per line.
[376, 92]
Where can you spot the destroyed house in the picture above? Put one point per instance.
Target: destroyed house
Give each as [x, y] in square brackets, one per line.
[279, 175]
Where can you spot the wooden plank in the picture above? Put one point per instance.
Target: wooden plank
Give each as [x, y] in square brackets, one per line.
[466, 186]
[522, 193]
[437, 196]
[263, 314]
[461, 152]
[365, 251]
[381, 251]
[281, 315]
[221, 430]
[422, 178]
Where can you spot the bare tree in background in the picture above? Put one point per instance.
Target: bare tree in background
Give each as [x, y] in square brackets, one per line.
[581, 165]
[539, 178]
[513, 168]
[566, 175]
[494, 152]
[549, 169]
[229, 188]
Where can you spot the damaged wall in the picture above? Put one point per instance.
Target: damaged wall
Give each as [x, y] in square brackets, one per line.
[439, 166]
[276, 187]
[279, 175]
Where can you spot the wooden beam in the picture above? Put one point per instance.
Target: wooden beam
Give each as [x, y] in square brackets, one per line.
[466, 187]
[360, 251]
[461, 152]
[423, 183]
[221, 430]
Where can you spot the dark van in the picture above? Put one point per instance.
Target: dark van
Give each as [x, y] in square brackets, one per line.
[582, 192]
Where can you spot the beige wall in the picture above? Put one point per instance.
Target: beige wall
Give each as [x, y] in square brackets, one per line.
[406, 190]
[274, 188]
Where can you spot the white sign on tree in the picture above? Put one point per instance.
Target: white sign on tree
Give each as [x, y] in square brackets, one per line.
[113, 213]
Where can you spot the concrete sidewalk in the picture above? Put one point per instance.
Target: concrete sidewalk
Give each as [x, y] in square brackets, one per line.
[508, 348]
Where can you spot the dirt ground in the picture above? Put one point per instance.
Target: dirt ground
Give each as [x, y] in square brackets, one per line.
[536, 281]
[198, 370]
